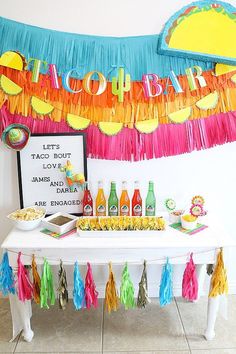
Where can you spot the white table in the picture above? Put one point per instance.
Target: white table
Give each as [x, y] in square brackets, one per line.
[137, 246]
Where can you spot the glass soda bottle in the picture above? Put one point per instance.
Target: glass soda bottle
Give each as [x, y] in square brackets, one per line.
[87, 202]
[124, 201]
[100, 201]
[136, 201]
[150, 207]
[113, 201]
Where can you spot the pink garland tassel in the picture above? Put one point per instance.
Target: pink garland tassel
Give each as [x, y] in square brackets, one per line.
[25, 288]
[190, 282]
[91, 294]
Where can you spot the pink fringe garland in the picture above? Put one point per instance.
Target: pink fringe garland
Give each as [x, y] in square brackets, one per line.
[190, 282]
[25, 288]
[91, 294]
[130, 145]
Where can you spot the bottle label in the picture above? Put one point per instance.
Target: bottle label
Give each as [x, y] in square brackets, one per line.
[113, 210]
[150, 210]
[101, 210]
[124, 210]
[137, 210]
[88, 210]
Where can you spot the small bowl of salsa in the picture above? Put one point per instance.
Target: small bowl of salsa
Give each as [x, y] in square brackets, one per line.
[60, 222]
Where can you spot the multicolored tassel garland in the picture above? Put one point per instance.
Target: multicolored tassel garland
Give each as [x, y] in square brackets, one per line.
[166, 291]
[127, 289]
[78, 291]
[25, 288]
[7, 282]
[143, 298]
[190, 282]
[219, 282]
[62, 287]
[91, 294]
[36, 281]
[47, 287]
[111, 294]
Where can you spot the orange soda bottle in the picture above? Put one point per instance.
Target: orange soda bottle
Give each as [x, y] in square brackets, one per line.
[100, 201]
[124, 201]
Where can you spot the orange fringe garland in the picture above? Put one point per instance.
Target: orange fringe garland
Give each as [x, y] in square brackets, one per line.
[106, 108]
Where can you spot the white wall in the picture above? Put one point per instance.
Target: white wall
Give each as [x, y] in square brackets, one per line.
[211, 173]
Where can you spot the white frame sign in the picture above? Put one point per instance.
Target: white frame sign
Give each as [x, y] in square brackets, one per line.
[41, 181]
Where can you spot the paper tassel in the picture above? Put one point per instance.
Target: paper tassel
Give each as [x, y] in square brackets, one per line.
[7, 283]
[143, 299]
[25, 288]
[36, 281]
[190, 282]
[47, 288]
[91, 294]
[78, 291]
[166, 291]
[127, 289]
[111, 294]
[62, 287]
[219, 282]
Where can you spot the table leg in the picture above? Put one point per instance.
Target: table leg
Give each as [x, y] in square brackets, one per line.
[212, 310]
[21, 313]
[201, 275]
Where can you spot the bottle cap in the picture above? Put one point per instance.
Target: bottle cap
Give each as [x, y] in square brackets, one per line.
[124, 184]
[100, 184]
[136, 184]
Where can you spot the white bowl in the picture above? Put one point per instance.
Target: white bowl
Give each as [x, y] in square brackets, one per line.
[188, 225]
[174, 219]
[27, 225]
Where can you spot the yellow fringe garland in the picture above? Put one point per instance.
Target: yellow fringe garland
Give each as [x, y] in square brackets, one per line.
[219, 282]
[111, 295]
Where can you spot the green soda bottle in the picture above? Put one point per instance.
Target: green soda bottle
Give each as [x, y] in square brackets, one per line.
[113, 201]
[150, 209]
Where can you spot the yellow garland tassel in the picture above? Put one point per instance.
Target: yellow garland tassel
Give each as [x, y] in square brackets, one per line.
[36, 282]
[111, 294]
[219, 282]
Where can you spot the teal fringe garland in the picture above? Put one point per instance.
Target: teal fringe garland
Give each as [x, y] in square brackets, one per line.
[138, 55]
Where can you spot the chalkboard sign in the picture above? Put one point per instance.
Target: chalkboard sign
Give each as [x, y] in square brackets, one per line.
[41, 181]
